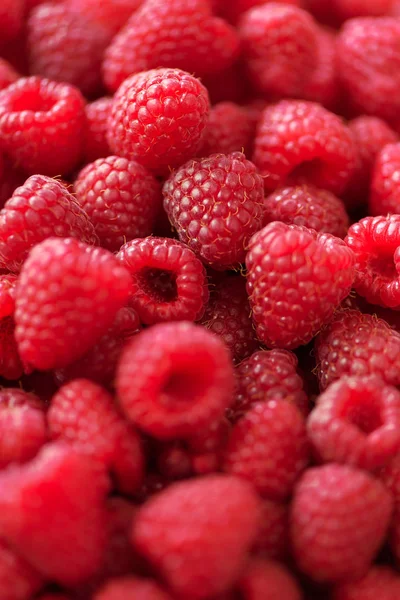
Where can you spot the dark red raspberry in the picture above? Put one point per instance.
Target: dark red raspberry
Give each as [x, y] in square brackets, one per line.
[7, 73]
[18, 579]
[339, 519]
[267, 580]
[169, 282]
[42, 125]
[158, 118]
[357, 344]
[65, 544]
[40, 208]
[10, 180]
[83, 414]
[67, 298]
[215, 204]
[385, 195]
[96, 145]
[280, 47]
[357, 422]
[171, 35]
[296, 279]
[308, 206]
[371, 78]
[228, 315]
[174, 379]
[197, 533]
[380, 582]
[229, 129]
[110, 14]
[273, 535]
[120, 197]
[322, 85]
[268, 375]
[65, 46]
[302, 142]
[11, 19]
[174, 461]
[131, 587]
[375, 242]
[269, 448]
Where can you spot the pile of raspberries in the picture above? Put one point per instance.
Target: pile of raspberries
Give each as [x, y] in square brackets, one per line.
[200, 300]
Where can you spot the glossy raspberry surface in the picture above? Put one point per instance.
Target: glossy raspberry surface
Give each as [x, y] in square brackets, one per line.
[384, 196]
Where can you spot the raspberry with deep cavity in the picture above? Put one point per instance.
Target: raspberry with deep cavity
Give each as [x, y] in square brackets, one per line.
[96, 144]
[385, 196]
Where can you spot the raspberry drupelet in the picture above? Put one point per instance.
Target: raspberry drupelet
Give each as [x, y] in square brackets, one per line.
[215, 204]
[296, 279]
[42, 125]
[357, 422]
[96, 144]
[302, 142]
[174, 379]
[169, 282]
[121, 197]
[158, 118]
[384, 191]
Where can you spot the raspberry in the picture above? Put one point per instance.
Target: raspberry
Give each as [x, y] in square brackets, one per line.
[121, 198]
[269, 448]
[10, 363]
[268, 580]
[42, 125]
[65, 46]
[110, 14]
[302, 142]
[11, 179]
[7, 74]
[233, 10]
[197, 533]
[273, 535]
[379, 582]
[227, 315]
[7, 295]
[375, 242]
[96, 145]
[22, 426]
[11, 19]
[370, 77]
[339, 518]
[229, 130]
[171, 35]
[68, 295]
[268, 375]
[322, 84]
[66, 544]
[83, 414]
[158, 118]
[215, 204]
[280, 46]
[385, 197]
[347, 9]
[357, 422]
[168, 282]
[356, 344]
[131, 587]
[18, 580]
[174, 379]
[40, 208]
[296, 279]
[390, 475]
[308, 206]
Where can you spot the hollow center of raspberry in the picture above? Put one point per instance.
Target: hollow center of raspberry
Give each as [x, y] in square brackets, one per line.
[33, 101]
[383, 263]
[366, 418]
[159, 284]
[182, 387]
[306, 171]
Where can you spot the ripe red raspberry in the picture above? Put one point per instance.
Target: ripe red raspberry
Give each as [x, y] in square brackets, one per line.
[96, 144]
[120, 197]
[215, 204]
[42, 125]
[308, 206]
[339, 519]
[357, 422]
[11, 19]
[229, 129]
[348, 9]
[268, 580]
[228, 315]
[7, 294]
[371, 78]
[40, 208]
[268, 375]
[380, 582]
[63, 45]
[53, 515]
[68, 295]
[357, 344]
[273, 534]
[7, 74]
[170, 35]
[10, 362]
[280, 47]
[385, 196]
[375, 243]
[131, 587]
[110, 14]
[197, 533]
[322, 85]
[302, 142]
[83, 414]
[18, 579]
[296, 279]
[269, 448]
[158, 118]
[169, 282]
[174, 379]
